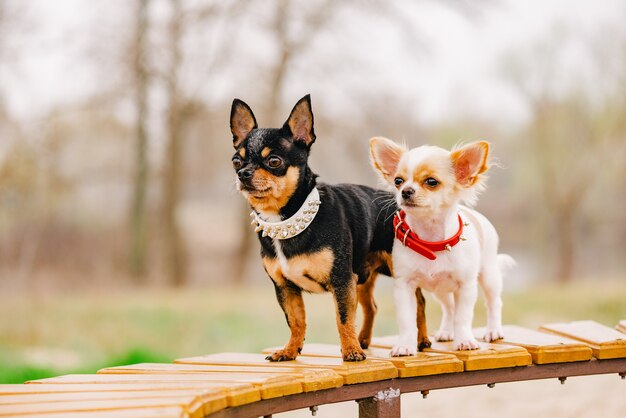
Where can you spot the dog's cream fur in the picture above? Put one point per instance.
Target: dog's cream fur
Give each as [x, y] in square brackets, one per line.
[431, 212]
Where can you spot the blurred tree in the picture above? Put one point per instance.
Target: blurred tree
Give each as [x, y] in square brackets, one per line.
[182, 106]
[571, 136]
[8, 18]
[138, 209]
[177, 109]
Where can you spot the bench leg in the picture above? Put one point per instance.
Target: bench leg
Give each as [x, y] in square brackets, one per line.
[385, 404]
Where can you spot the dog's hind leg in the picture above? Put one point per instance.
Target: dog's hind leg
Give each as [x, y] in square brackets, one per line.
[365, 293]
[490, 280]
[422, 328]
[345, 302]
[290, 300]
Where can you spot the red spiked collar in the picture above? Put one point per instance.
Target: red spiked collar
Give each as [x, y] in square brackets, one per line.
[426, 248]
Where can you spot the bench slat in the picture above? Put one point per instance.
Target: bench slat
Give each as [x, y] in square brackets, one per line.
[352, 372]
[605, 342]
[489, 356]
[423, 364]
[159, 412]
[543, 347]
[204, 394]
[269, 385]
[237, 392]
[311, 379]
[191, 405]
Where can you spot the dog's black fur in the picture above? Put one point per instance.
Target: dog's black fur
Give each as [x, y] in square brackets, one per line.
[348, 242]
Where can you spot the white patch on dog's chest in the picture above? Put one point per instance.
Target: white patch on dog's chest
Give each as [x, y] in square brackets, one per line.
[295, 271]
[439, 275]
[443, 281]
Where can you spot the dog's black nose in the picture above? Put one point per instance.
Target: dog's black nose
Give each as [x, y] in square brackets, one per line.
[407, 192]
[244, 174]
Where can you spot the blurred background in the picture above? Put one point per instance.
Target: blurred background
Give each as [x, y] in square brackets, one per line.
[122, 237]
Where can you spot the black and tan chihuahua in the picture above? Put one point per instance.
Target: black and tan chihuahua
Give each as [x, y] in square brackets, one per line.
[314, 237]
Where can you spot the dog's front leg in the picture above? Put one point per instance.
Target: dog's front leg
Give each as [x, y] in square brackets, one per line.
[404, 297]
[290, 300]
[345, 302]
[464, 301]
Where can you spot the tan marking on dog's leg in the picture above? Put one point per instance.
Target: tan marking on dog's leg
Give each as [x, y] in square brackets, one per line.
[272, 268]
[290, 300]
[345, 304]
[374, 262]
[365, 293]
[422, 328]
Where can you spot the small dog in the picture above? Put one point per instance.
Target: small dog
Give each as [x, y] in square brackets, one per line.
[440, 245]
[314, 237]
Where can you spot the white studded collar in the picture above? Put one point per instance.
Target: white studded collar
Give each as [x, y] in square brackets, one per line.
[292, 226]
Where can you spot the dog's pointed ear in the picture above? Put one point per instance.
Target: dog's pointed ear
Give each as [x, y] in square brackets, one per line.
[385, 155]
[300, 122]
[242, 121]
[470, 161]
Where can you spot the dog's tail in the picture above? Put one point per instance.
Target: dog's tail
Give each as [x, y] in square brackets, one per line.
[505, 263]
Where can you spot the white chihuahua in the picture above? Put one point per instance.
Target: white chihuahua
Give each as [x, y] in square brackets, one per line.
[441, 246]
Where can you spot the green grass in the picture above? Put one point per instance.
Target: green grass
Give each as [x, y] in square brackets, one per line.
[48, 335]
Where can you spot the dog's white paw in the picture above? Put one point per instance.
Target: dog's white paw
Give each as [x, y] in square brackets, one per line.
[403, 350]
[444, 335]
[467, 344]
[493, 335]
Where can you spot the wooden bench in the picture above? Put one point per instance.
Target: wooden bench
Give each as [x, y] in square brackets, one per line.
[246, 385]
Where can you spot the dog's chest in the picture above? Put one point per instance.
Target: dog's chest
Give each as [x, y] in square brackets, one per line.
[441, 275]
[310, 272]
[437, 281]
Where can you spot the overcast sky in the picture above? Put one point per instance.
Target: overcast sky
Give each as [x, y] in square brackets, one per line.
[457, 70]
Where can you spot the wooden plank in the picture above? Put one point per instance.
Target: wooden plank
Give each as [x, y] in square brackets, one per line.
[621, 326]
[605, 342]
[352, 372]
[488, 356]
[311, 379]
[212, 400]
[164, 412]
[423, 364]
[269, 385]
[237, 392]
[92, 396]
[543, 347]
[191, 405]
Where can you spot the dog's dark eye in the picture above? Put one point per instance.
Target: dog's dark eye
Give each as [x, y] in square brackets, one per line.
[274, 162]
[237, 163]
[431, 182]
[398, 181]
